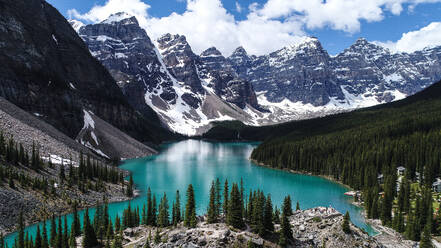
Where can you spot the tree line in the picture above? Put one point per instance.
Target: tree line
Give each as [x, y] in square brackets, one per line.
[231, 206]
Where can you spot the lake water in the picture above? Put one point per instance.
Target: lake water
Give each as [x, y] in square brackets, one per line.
[199, 162]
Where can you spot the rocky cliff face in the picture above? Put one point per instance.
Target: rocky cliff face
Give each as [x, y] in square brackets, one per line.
[362, 75]
[185, 92]
[48, 70]
[188, 91]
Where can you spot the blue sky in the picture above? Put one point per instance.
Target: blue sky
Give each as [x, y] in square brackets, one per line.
[238, 28]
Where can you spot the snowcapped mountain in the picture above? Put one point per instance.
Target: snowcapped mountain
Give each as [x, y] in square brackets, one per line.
[189, 91]
[170, 79]
[303, 81]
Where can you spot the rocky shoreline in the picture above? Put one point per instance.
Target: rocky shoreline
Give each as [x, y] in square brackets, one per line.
[316, 227]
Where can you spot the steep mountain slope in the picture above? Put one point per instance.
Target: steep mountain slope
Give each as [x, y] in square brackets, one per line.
[30, 189]
[47, 70]
[363, 75]
[172, 80]
[424, 103]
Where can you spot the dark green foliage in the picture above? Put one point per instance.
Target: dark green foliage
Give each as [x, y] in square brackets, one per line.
[130, 187]
[345, 224]
[287, 206]
[45, 242]
[130, 217]
[234, 212]
[297, 206]
[21, 241]
[176, 212]
[89, 237]
[163, 215]
[53, 234]
[190, 208]
[426, 238]
[76, 227]
[268, 215]
[212, 211]
[225, 203]
[286, 232]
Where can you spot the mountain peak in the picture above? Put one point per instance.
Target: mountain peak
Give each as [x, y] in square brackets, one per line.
[240, 51]
[211, 52]
[76, 25]
[123, 17]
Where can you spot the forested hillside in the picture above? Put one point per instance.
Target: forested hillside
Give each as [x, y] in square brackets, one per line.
[355, 147]
[363, 149]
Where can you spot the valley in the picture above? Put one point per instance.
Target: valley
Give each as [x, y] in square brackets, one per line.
[114, 136]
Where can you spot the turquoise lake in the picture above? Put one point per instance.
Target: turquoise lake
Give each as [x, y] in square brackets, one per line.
[199, 162]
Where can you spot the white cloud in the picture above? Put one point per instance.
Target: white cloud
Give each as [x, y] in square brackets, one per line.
[427, 36]
[101, 12]
[267, 27]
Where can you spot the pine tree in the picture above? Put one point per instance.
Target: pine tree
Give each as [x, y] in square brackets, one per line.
[45, 243]
[345, 224]
[212, 212]
[65, 234]
[218, 198]
[59, 239]
[190, 208]
[37, 238]
[287, 206]
[130, 187]
[163, 217]
[89, 237]
[117, 241]
[276, 217]
[297, 206]
[21, 241]
[53, 232]
[157, 238]
[76, 226]
[426, 239]
[268, 215]
[226, 192]
[234, 212]
[149, 220]
[285, 231]
[177, 209]
[154, 212]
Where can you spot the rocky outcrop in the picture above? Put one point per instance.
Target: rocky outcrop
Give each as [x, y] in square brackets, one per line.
[317, 227]
[47, 69]
[362, 75]
[172, 80]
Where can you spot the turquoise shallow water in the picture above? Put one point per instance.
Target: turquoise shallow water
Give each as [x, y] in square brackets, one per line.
[199, 162]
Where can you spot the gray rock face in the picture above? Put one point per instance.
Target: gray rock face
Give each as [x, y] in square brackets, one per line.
[306, 72]
[47, 69]
[178, 84]
[128, 53]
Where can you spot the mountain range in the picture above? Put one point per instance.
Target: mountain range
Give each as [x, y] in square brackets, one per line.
[190, 91]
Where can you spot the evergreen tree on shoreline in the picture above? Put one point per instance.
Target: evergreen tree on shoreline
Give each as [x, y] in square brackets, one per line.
[190, 208]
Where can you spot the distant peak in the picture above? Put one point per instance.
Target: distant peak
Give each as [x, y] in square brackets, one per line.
[121, 17]
[240, 51]
[361, 41]
[166, 38]
[210, 52]
[76, 25]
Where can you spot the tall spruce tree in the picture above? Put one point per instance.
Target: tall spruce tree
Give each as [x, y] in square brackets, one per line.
[190, 208]
[53, 232]
[76, 226]
[45, 243]
[234, 212]
[212, 211]
[163, 216]
[345, 224]
[21, 241]
[218, 197]
[268, 215]
[226, 192]
[89, 237]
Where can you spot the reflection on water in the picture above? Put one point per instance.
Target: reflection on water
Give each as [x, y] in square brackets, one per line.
[199, 162]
